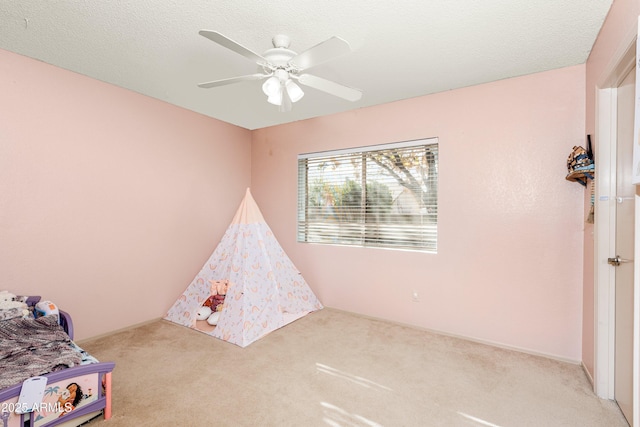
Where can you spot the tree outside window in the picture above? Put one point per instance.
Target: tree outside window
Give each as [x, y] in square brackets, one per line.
[384, 196]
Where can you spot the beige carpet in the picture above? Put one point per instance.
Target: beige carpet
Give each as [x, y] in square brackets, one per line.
[333, 368]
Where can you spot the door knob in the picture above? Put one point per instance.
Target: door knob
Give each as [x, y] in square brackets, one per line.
[617, 260]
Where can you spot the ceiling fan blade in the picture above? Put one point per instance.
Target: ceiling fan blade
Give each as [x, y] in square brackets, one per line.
[344, 92]
[322, 52]
[231, 80]
[232, 45]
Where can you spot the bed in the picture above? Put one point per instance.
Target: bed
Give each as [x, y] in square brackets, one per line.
[78, 386]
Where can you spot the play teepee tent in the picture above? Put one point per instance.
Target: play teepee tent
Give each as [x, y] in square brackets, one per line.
[265, 290]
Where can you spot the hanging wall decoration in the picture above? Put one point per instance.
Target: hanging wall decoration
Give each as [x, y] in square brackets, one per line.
[580, 165]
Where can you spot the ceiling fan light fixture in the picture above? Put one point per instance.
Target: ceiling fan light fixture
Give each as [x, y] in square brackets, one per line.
[271, 86]
[294, 91]
[276, 98]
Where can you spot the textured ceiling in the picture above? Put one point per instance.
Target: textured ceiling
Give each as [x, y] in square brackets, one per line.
[401, 49]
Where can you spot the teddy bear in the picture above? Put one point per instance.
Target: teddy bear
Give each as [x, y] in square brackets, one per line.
[7, 296]
[219, 287]
[219, 290]
[9, 300]
[213, 305]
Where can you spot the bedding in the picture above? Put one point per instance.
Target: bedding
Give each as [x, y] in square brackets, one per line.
[31, 347]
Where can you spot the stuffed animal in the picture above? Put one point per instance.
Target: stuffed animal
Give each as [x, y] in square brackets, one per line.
[219, 287]
[219, 290]
[9, 300]
[12, 306]
[7, 296]
[203, 312]
[213, 319]
[213, 305]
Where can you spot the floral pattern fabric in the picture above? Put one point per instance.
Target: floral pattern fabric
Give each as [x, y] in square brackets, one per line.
[266, 291]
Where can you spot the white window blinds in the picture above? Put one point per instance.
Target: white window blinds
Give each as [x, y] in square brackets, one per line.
[379, 196]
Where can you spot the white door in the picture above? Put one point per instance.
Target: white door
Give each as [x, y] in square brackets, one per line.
[625, 212]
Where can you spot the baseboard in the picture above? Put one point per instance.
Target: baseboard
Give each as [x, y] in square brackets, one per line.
[126, 328]
[472, 339]
[588, 374]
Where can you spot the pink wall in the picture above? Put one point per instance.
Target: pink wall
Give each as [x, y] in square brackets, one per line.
[110, 201]
[509, 262]
[621, 22]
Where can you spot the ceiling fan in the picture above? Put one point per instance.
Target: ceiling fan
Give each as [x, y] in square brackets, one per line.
[282, 68]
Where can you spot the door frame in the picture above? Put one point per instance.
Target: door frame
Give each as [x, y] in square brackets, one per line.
[604, 227]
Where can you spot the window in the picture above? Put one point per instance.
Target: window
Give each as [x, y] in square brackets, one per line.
[380, 196]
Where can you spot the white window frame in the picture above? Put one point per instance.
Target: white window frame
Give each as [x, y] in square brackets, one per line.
[415, 232]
